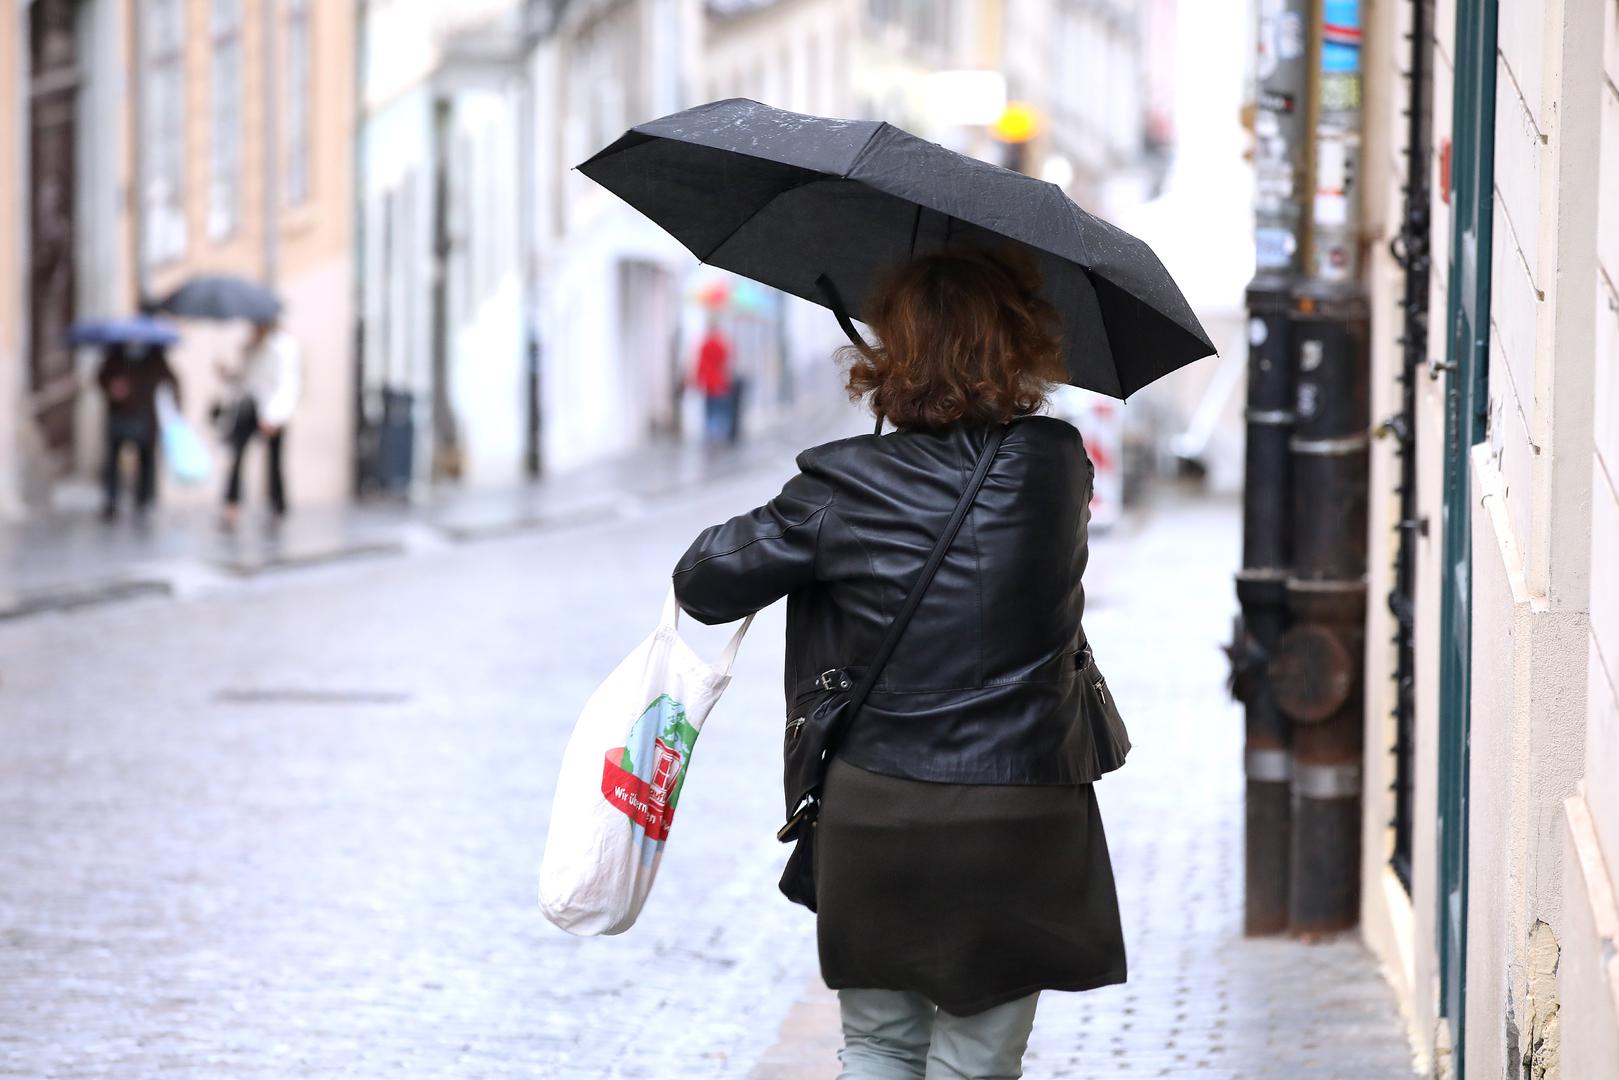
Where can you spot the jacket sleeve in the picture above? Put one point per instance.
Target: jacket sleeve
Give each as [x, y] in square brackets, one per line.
[167, 375]
[747, 563]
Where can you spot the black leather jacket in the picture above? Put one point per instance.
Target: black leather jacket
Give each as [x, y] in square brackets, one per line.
[983, 687]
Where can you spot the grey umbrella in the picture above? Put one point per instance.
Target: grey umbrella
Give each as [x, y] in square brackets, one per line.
[221, 296]
[818, 207]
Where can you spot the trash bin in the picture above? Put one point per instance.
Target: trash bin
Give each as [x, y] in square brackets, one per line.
[396, 440]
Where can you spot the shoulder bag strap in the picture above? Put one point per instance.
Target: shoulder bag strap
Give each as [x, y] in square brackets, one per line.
[862, 689]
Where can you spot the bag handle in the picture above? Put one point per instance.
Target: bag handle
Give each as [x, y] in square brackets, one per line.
[728, 656]
[913, 600]
[671, 619]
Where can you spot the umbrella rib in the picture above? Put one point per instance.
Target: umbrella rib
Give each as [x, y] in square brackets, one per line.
[854, 162]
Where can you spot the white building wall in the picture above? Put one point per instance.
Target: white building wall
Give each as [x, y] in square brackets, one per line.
[487, 343]
[612, 286]
[1386, 908]
[1533, 551]
[1531, 525]
[412, 65]
[596, 393]
[1589, 973]
[320, 311]
[397, 145]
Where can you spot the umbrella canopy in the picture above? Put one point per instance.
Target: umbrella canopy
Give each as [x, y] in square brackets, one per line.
[222, 297]
[123, 330]
[785, 198]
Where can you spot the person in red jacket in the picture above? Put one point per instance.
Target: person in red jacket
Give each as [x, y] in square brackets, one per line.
[713, 377]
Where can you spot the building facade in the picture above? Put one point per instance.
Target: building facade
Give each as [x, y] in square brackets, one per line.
[13, 383]
[795, 55]
[608, 282]
[155, 141]
[442, 371]
[242, 129]
[68, 254]
[1490, 829]
[1588, 977]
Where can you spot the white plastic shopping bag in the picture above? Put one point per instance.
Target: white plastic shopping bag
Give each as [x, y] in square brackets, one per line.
[183, 448]
[621, 778]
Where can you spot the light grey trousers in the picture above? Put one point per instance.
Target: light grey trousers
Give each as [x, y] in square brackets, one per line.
[894, 1035]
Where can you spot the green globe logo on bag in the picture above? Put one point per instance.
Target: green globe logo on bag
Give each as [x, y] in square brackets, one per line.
[643, 777]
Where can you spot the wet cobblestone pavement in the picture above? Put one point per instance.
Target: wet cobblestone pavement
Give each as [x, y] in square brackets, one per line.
[289, 828]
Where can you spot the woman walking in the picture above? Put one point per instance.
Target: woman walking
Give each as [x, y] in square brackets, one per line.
[960, 862]
[268, 383]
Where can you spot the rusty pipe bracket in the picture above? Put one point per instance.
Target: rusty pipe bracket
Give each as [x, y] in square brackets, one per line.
[1312, 673]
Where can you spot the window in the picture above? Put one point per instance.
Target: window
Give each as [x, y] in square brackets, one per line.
[225, 120]
[296, 122]
[882, 12]
[163, 130]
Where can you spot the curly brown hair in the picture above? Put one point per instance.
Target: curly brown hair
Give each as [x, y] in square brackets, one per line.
[963, 336]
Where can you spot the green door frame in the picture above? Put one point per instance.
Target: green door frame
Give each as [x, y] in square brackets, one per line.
[1467, 399]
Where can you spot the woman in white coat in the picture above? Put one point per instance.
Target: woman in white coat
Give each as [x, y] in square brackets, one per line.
[269, 383]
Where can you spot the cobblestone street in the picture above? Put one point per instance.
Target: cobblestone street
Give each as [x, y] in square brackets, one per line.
[287, 825]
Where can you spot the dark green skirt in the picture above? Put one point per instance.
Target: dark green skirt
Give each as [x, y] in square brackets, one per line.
[972, 895]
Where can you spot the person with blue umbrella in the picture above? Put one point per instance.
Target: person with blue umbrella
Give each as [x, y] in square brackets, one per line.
[134, 371]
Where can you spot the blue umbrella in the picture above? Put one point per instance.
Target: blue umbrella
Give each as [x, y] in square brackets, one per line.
[123, 330]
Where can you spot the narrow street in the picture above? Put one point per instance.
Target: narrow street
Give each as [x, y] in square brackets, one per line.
[288, 826]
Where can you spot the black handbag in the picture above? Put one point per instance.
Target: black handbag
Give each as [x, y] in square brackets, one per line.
[811, 738]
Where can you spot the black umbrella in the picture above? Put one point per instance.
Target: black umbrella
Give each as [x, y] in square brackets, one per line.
[786, 198]
[220, 296]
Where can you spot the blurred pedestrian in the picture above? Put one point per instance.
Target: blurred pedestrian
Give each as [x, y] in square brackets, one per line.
[733, 409]
[267, 387]
[959, 862]
[131, 376]
[714, 379]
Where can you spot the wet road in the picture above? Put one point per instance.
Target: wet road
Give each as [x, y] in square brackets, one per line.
[289, 827]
